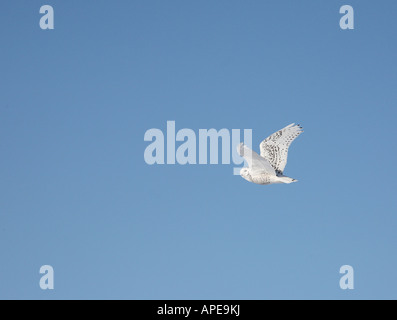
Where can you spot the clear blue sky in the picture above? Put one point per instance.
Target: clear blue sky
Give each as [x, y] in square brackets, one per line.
[76, 193]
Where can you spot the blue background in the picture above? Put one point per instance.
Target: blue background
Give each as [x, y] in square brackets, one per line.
[76, 193]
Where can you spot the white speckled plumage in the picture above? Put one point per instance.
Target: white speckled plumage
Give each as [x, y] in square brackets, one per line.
[268, 167]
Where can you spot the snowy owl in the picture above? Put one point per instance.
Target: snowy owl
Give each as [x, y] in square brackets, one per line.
[268, 167]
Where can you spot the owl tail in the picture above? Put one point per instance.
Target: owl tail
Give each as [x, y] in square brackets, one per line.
[287, 180]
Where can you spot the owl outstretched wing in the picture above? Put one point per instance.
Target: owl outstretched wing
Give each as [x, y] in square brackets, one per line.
[275, 148]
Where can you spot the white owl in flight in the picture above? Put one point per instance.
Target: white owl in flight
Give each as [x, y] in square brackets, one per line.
[268, 167]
